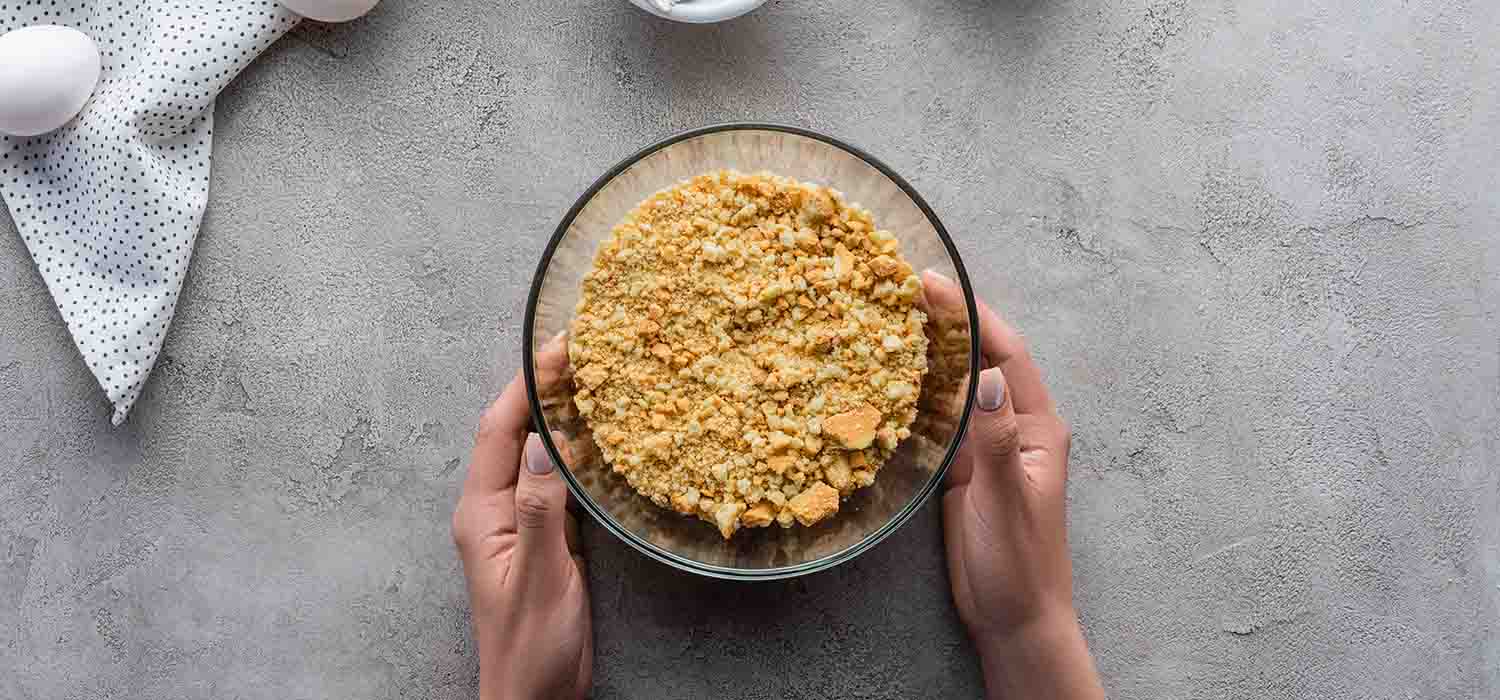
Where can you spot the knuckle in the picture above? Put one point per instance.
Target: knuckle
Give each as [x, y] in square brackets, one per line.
[1004, 434]
[460, 531]
[1064, 434]
[1016, 340]
[532, 509]
[491, 423]
[1055, 434]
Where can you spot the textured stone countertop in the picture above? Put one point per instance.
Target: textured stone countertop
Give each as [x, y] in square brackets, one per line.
[1254, 245]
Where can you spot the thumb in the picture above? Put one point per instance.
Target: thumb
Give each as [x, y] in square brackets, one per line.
[541, 557]
[994, 437]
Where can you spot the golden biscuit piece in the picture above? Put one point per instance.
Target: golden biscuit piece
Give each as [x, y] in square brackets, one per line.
[761, 515]
[855, 429]
[816, 503]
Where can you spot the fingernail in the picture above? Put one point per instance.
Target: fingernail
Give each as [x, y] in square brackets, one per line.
[555, 342]
[537, 461]
[940, 276]
[991, 390]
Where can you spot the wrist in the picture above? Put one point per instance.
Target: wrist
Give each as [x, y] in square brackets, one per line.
[1046, 657]
[493, 685]
[489, 688]
[1043, 631]
[500, 682]
[1047, 624]
[495, 691]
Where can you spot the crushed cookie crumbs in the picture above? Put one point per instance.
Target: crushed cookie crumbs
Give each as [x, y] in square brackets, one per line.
[748, 349]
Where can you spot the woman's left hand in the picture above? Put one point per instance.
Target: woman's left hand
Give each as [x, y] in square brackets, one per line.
[519, 547]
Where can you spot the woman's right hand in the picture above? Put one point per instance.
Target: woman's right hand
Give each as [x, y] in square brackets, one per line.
[1005, 525]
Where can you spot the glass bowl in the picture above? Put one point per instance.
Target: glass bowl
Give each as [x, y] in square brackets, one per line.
[902, 485]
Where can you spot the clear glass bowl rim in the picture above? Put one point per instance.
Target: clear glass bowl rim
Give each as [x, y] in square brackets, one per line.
[663, 555]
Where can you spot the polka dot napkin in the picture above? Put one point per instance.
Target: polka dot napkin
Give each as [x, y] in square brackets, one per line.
[109, 205]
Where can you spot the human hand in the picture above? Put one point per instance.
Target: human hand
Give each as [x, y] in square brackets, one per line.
[519, 545]
[1005, 526]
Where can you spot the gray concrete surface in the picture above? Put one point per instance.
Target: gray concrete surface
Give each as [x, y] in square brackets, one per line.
[1255, 245]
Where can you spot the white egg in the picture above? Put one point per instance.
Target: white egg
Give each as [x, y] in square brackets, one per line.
[47, 73]
[330, 10]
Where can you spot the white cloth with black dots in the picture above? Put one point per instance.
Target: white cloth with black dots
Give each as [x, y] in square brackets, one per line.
[109, 205]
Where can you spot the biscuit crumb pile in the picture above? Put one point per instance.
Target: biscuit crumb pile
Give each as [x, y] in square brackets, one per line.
[748, 349]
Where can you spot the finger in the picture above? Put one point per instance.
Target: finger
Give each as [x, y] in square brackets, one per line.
[497, 446]
[994, 437]
[1001, 346]
[1007, 350]
[942, 298]
[552, 364]
[542, 558]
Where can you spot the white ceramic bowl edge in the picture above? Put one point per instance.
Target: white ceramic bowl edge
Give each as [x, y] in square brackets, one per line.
[701, 11]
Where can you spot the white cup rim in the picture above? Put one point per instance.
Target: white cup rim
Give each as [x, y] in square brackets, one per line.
[702, 11]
